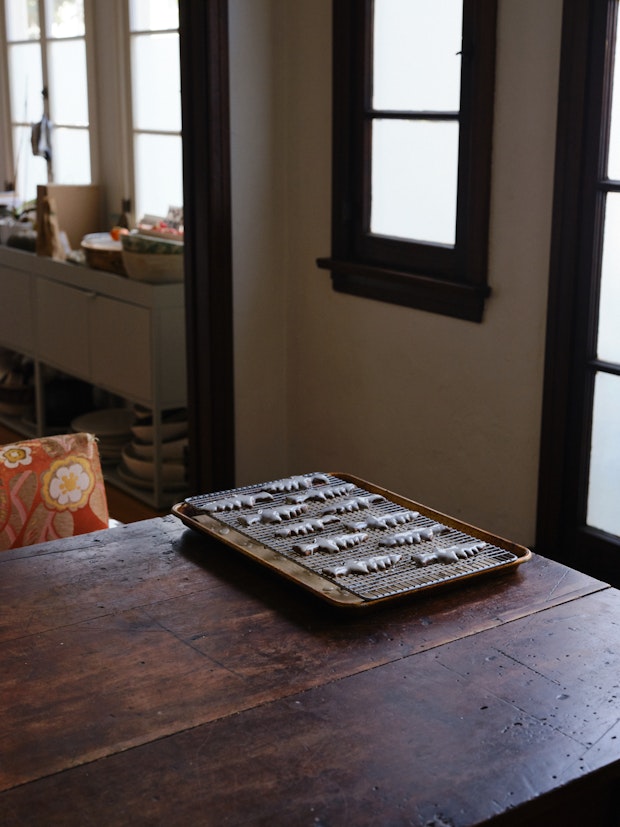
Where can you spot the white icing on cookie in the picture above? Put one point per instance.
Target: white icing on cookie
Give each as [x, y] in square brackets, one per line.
[307, 527]
[459, 552]
[353, 504]
[366, 566]
[388, 521]
[295, 483]
[238, 501]
[333, 544]
[325, 493]
[415, 535]
[450, 554]
[274, 515]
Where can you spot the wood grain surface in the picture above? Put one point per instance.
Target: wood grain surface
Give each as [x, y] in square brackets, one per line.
[150, 675]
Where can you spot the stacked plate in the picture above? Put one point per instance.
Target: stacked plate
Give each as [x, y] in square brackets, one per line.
[137, 465]
[111, 426]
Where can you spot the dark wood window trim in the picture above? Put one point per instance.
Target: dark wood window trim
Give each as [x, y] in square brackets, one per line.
[433, 277]
[583, 116]
[203, 29]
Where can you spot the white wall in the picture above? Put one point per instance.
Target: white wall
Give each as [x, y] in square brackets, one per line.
[441, 410]
[259, 244]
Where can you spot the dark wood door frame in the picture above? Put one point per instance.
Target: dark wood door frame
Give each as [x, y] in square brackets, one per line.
[583, 105]
[203, 28]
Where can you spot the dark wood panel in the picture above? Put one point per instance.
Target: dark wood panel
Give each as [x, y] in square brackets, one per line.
[509, 721]
[203, 29]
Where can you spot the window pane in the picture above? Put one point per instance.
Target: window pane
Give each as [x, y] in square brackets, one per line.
[65, 18]
[22, 20]
[604, 488]
[31, 169]
[68, 94]
[159, 173]
[26, 82]
[608, 347]
[613, 164]
[71, 156]
[151, 15]
[417, 62]
[414, 180]
[156, 82]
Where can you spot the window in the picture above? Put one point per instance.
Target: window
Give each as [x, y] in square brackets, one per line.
[47, 74]
[156, 105]
[412, 120]
[111, 73]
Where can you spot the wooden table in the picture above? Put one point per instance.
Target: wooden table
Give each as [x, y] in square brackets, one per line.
[153, 676]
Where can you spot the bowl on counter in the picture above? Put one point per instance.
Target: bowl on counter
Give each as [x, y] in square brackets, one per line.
[149, 245]
[153, 269]
[102, 252]
[153, 260]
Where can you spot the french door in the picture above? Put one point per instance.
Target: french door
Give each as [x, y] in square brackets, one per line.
[579, 492]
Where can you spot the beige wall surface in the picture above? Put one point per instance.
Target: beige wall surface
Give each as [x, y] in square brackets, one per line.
[444, 411]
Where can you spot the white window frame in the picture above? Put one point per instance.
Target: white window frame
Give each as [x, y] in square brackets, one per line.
[128, 130]
[107, 38]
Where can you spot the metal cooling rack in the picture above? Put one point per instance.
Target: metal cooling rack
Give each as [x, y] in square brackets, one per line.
[322, 531]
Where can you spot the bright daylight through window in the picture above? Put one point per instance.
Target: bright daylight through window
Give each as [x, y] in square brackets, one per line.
[47, 75]
[74, 89]
[604, 471]
[156, 105]
[416, 69]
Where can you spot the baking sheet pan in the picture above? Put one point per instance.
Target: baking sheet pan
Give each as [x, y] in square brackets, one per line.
[349, 541]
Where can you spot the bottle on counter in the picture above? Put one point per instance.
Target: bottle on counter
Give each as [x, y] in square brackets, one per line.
[123, 219]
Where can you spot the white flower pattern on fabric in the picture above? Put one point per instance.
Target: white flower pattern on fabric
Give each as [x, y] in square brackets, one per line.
[15, 455]
[68, 484]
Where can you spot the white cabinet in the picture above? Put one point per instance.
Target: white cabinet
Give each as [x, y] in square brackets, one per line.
[62, 328]
[17, 310]
[124, 336]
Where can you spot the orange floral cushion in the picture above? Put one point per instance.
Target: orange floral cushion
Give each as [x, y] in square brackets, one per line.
[49, 488]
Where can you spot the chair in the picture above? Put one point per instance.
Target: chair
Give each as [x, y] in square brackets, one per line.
[50, 487]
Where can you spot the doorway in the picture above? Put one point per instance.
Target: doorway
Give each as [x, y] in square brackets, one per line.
[579, 491]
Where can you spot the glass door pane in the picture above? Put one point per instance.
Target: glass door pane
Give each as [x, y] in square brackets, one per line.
[613, 166]
[156, 82]
[31, 170]
[26, 82]
[604, 489]
[22, 20]
[68, 92]
[72, 156]
[159, 173]
[65, 18]
[603, 497]
[608, 343]
[153, 15]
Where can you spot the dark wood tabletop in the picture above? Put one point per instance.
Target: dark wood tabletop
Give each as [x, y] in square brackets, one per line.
[151, 675]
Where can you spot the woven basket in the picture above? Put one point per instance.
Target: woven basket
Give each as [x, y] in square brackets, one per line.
[103, 253]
